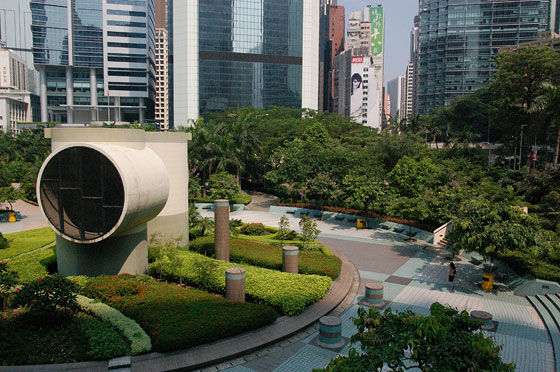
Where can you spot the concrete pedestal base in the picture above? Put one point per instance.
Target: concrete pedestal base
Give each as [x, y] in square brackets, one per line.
[119, 255]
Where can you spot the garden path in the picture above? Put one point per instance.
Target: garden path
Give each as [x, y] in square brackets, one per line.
[414, 278]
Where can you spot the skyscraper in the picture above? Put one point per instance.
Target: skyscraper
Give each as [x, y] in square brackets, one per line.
[396, 89]
[458, 40]
[162, 79]
[244, 53]
[96, 59]
[359, 70]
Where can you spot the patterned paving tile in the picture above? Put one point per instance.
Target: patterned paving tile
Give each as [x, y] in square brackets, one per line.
[373, 276]
[398, 280]
[307, 358]
[239, 369]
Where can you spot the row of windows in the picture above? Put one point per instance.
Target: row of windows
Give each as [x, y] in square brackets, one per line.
[126, 13]
[138, 35]
[127, 45]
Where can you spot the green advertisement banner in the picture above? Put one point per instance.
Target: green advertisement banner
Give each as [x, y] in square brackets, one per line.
[376, 20]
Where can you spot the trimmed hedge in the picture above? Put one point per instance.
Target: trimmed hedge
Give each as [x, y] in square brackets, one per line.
[270, 257]
[139, 341]
[524, 263]
[177, 318]
[28, 340]
[238, 198]
[27, 241]
[289, 293]
[32, 266]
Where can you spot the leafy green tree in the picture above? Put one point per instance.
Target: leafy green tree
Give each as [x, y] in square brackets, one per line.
[521, 78]
[446, 340]
[411, 177]
[9, 195]
[364, 191]
[489, 228]
[323, 189]
[223, 186]
[309, 230]
[409, 208]
[284, 232]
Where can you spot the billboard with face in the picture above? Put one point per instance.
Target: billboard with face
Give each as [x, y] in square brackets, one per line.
[357, 87]
[376, 20]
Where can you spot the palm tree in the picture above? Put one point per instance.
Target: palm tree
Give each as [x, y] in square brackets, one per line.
[240, 139]
[549, 104]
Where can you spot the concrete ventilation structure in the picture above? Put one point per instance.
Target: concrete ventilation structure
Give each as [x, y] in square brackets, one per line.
[106, 191]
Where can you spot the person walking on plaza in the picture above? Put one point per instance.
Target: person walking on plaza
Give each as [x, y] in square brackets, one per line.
[452, 273]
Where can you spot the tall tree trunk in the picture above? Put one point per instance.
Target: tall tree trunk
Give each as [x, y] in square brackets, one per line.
[238, 170]
[557, 149]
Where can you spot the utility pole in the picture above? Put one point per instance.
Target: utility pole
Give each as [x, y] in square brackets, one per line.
[521, 146]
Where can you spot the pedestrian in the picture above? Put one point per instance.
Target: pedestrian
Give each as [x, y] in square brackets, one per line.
[452, 273]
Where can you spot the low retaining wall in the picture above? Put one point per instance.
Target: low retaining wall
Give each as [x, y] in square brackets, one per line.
[349, 219]
[210, 207]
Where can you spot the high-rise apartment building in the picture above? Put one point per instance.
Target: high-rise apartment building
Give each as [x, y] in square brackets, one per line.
[17, 101]
[408, 106]
[396, 89]
[359, 70]
[244, 53]
[458, 41]
[162, 79]
[96, 59]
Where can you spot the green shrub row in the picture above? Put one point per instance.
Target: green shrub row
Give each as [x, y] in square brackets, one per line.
[289, 293]
[32, 266]
[27, 241]
[175, 317]
[139, 341]
[29, 340]
[256, 228]
[268, 256]
[238, 198]
[524, 263]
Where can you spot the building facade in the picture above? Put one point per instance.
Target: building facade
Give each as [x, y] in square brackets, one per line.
[96, 59]
[396, 89]
[244, 53]
[459, 39]
[358, 71]
[17, 101]
[162, 79]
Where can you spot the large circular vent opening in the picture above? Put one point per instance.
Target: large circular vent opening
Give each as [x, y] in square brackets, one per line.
[81, 193]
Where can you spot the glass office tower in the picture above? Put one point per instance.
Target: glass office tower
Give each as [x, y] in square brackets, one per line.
[96, 59]
[459, 38]
[250, 53]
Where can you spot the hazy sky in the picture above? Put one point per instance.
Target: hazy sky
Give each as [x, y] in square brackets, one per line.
[399, 19]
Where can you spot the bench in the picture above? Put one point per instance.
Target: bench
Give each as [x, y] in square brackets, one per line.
[291, 211]
[398, 229]
[385, 227]
[339, 217]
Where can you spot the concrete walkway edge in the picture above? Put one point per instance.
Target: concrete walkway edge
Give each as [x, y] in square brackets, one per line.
[226, 349]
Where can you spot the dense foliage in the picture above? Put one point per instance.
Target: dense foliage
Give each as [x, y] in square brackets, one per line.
[289, 293]
[446, 340]
[48, 295]
[175, 317]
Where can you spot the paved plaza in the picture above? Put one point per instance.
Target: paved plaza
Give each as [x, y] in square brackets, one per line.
[413, 277]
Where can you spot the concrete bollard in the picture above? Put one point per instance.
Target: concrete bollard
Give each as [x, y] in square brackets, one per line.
[221, 229]
[374, 295]
[290, 256]
[235, 284]
[330, 332]
[486, 317]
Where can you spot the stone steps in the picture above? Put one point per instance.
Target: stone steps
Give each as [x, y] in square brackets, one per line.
[548, 307]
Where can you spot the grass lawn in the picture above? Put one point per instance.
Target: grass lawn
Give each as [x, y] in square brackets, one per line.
[26, 241]
[31, 340]
[33, 265]
[176, 317]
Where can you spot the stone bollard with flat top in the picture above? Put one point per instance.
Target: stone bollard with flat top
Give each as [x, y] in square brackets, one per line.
[330, 332]
[290, 259]
[374, 295]
[486, 318]
[235, 284]
[221, 229]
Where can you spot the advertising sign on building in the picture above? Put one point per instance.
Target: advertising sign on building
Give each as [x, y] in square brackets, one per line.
[365, 91]
[357, 88]
[376, 20]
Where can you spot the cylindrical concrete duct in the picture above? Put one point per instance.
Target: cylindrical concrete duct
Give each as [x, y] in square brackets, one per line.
[221, 229]
[91, 191]
[290, 256]
[235, 284]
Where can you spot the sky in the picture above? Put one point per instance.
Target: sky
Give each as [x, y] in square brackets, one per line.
[399, 19]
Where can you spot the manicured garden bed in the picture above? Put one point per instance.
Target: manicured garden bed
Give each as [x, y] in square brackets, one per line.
[176, 317]
[33, 265]
[27, 339]
[26, 241]
[289, 293]
[238, 198]
[270, 257]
